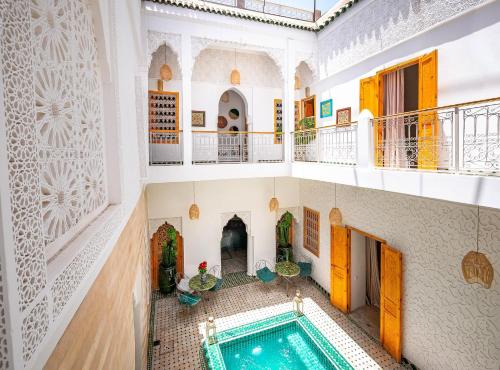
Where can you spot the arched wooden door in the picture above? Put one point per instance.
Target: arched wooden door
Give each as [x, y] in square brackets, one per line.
[157, 240]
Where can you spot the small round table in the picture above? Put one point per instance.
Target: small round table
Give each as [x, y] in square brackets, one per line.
[287, 270]
[196, 284]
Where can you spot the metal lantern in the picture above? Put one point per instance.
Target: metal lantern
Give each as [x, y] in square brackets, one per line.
[211, 333]
[298, 304]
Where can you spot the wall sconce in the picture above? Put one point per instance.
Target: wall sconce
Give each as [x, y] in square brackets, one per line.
[211, 331]
[298, 304]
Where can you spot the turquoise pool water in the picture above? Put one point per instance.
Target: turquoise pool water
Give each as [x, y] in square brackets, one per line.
[286, 347]
[282, 342]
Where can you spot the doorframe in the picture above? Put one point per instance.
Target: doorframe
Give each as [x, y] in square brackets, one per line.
[246, 217]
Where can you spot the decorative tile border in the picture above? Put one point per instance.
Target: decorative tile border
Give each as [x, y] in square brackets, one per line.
[214, 356]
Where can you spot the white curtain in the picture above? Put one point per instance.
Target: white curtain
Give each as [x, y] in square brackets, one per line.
[372, 274]
[394, 101]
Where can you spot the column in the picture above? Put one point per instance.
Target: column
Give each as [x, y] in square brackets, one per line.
[289, 98]
[187, 67]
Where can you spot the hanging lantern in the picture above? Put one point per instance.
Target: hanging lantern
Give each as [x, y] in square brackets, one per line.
[298, 304]
[477, 269]
[235, 77]
[211, 331]
[273, 204]
[297, 82]
[335, 217]
[194, 211]
[165, 72]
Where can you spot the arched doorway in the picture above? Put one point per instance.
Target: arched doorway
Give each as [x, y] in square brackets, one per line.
[234, 246]
[232, 128]
[157, 240]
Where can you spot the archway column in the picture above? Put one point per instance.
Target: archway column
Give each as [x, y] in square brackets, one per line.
[187, 71]
[289, 98]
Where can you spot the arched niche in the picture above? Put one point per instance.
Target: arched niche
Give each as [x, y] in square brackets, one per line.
[164, 55]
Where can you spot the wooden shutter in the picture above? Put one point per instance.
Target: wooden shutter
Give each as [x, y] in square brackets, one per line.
[311, 231]
[428, 125]
[340, 274]
[180, 254]
[390, 300]
[369, 99]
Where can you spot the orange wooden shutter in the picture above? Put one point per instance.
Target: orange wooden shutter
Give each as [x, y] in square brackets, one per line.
[390, 300]
[180, 255]
[340, 289]
[369, 99]
[428, 125]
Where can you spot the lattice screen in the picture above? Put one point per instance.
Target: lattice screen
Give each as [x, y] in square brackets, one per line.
[311, 230]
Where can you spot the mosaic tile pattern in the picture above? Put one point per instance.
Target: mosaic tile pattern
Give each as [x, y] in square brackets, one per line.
[181, 332]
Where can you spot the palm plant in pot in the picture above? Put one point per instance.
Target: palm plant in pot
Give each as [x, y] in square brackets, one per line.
[284, 242]
[168, 262]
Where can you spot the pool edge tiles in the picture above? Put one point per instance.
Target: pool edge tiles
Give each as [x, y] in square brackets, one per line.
[215, 360]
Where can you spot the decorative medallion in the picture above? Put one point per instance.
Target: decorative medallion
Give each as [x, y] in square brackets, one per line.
[234, 113]
[221, 122]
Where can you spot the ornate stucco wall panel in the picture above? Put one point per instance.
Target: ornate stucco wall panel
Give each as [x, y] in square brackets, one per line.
[164, 55]
[447, 323]
[374, 26]
[214, 65]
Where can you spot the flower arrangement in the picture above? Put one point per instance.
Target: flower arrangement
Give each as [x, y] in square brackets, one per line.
[202, 268]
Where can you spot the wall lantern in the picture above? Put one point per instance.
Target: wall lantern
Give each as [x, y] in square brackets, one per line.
[194, 211]
[211, 333]
[335, 215]
[298, 304]
[273, 203]
[476, 267]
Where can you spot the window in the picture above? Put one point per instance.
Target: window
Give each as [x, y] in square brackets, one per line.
[311, 231]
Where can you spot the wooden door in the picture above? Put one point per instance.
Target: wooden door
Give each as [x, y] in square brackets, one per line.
[391, 300]
[428, 125]
[369, 99]
[340, 275]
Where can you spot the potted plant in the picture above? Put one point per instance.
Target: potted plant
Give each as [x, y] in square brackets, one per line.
[168, 262]
[202, 270]
[284, 242]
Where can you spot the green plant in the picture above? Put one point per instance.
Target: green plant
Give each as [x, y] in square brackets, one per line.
[284, 225]
[169, 249]
[306, 123]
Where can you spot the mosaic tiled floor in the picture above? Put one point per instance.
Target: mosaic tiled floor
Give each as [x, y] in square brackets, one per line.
[234, 261]
[180, 331]
[368, 318]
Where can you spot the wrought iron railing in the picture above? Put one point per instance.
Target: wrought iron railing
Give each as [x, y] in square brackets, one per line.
[457, 138]
[165, 147]
[237, 147]
[330, 144]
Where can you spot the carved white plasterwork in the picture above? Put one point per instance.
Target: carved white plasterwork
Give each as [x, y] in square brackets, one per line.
[156, 39]
[447, 323]
[200, 43]
[310, 59]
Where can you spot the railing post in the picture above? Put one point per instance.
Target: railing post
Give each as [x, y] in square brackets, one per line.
[456, 140]
[240, 147]
[365, 152]
[317, 144]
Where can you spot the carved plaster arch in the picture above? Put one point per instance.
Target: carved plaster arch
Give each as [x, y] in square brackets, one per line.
[311, 60]
[198, 44]
[157, 39]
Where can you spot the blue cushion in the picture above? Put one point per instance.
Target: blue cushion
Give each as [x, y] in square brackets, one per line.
[189, 299]
[266, 275]
[305, 268]
[217, 285]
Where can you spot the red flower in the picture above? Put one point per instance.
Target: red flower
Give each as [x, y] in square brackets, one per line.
[202, 267]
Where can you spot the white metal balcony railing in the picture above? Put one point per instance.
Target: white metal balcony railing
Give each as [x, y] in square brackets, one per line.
[458, 138]
[237, 147]
[165, 147]
[330, 144]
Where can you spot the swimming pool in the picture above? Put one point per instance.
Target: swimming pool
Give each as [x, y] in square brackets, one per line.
[284, 342]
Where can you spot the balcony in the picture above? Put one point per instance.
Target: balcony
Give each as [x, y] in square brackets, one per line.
[165, 147]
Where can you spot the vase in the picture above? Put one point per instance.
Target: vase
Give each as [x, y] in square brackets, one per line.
[166, 279]
[203, 277]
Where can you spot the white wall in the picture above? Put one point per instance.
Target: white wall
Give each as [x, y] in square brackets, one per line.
[467, 63]
[358, 270]
[216, 198]
[447, 323]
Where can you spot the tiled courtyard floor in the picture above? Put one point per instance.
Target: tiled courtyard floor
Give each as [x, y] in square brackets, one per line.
[180, 332]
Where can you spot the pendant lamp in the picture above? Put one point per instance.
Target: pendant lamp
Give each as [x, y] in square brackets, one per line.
[235, 74]
[194, 211]
[273, 203]
[476, 267]
[335, 215]
[165, 72]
